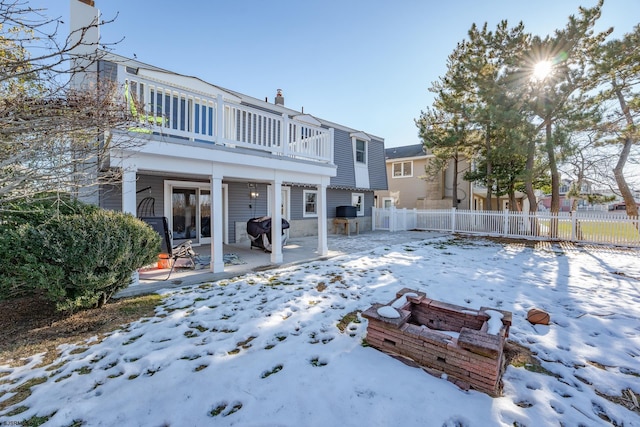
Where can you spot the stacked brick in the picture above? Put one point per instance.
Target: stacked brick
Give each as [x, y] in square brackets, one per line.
[470, 357]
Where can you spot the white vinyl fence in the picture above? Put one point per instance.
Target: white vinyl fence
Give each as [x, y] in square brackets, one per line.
[583, 226]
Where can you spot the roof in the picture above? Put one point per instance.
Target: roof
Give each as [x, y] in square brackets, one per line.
[415, 150]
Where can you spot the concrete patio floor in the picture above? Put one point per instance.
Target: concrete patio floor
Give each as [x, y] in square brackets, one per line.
[297, 250]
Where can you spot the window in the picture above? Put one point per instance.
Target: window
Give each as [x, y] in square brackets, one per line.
[357, 200]
[361, 151]
[402, 169]
[310, 198]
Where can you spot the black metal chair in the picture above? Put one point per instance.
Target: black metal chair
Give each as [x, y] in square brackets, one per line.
[184, 250]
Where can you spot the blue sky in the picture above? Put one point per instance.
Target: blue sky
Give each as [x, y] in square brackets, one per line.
[364, 64]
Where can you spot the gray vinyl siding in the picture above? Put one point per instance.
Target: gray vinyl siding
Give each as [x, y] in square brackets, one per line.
[156, 191]
[296, 203]
[338, 197]
[377, 166]
[343, 158]
[335, 197]
[369, 199]
[242, 208]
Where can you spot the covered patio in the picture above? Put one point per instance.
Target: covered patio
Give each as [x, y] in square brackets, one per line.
[245, 260]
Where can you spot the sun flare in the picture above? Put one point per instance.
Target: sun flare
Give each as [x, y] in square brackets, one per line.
[542, 69]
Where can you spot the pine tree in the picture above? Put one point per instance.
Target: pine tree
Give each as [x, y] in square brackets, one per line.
[617, 68]
[559, 99]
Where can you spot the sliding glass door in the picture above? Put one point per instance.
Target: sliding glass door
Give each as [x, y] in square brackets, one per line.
[191, 214]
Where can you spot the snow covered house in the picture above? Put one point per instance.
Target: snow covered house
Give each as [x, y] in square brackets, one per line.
[209, 158]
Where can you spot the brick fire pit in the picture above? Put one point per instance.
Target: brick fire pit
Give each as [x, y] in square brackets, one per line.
[465, 344]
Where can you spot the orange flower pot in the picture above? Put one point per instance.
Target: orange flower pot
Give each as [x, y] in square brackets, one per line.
[164, 261]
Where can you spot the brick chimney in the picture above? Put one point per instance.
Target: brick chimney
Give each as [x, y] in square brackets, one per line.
[279, 98]
[89, 2]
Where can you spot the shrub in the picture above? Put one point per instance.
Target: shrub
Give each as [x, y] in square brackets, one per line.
[40, 208]
[76, 260]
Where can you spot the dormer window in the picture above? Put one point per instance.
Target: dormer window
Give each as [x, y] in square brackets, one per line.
[361, 151]
[360, 144]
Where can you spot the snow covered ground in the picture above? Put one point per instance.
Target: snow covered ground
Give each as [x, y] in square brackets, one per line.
[264, 350]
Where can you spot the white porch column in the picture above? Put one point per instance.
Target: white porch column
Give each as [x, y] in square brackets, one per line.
[276, 222]
[217, 234]
[323, 249]
[129, 189]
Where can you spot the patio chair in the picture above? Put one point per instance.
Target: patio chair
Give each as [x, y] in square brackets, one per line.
[146, 208]
[184, 250]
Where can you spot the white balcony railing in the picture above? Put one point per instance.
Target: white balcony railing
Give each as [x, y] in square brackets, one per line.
[175, 111]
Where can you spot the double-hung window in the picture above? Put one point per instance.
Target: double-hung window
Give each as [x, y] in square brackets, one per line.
[310, 199]
[402, 169]
[361, 151]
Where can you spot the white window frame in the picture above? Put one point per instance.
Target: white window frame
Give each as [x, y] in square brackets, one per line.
[365, 152]
[403, 174]
[354, 201]
[306, 214]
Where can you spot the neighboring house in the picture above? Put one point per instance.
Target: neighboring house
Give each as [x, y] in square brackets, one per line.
[497, 203]
[209, 159]
[410, 188]
[544, 203]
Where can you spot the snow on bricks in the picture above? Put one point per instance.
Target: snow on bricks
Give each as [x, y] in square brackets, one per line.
[464, 345]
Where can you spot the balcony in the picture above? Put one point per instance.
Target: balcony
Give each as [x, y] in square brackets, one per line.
[191, 110]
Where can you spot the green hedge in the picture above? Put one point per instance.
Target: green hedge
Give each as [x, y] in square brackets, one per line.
[76, 260]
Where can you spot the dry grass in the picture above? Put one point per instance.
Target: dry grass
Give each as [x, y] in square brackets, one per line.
[30, 326]
[347, 319]
[521, 357]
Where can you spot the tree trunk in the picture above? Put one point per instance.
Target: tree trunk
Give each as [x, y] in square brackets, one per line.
[454, 190]
[531, 195]
[487, 142]
[577, 188]
[513, 205]
[555, 180]
[553, 166]
[574, 204]
[623, 187]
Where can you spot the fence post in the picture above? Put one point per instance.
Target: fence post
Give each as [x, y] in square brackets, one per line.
[573, 225]
[453, 220]
[393, 217]
[373, 218]
[414, 219]
[505, 222]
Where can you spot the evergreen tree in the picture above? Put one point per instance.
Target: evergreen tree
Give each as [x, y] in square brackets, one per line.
[446, 137]
[559, 97]
[617, 68]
